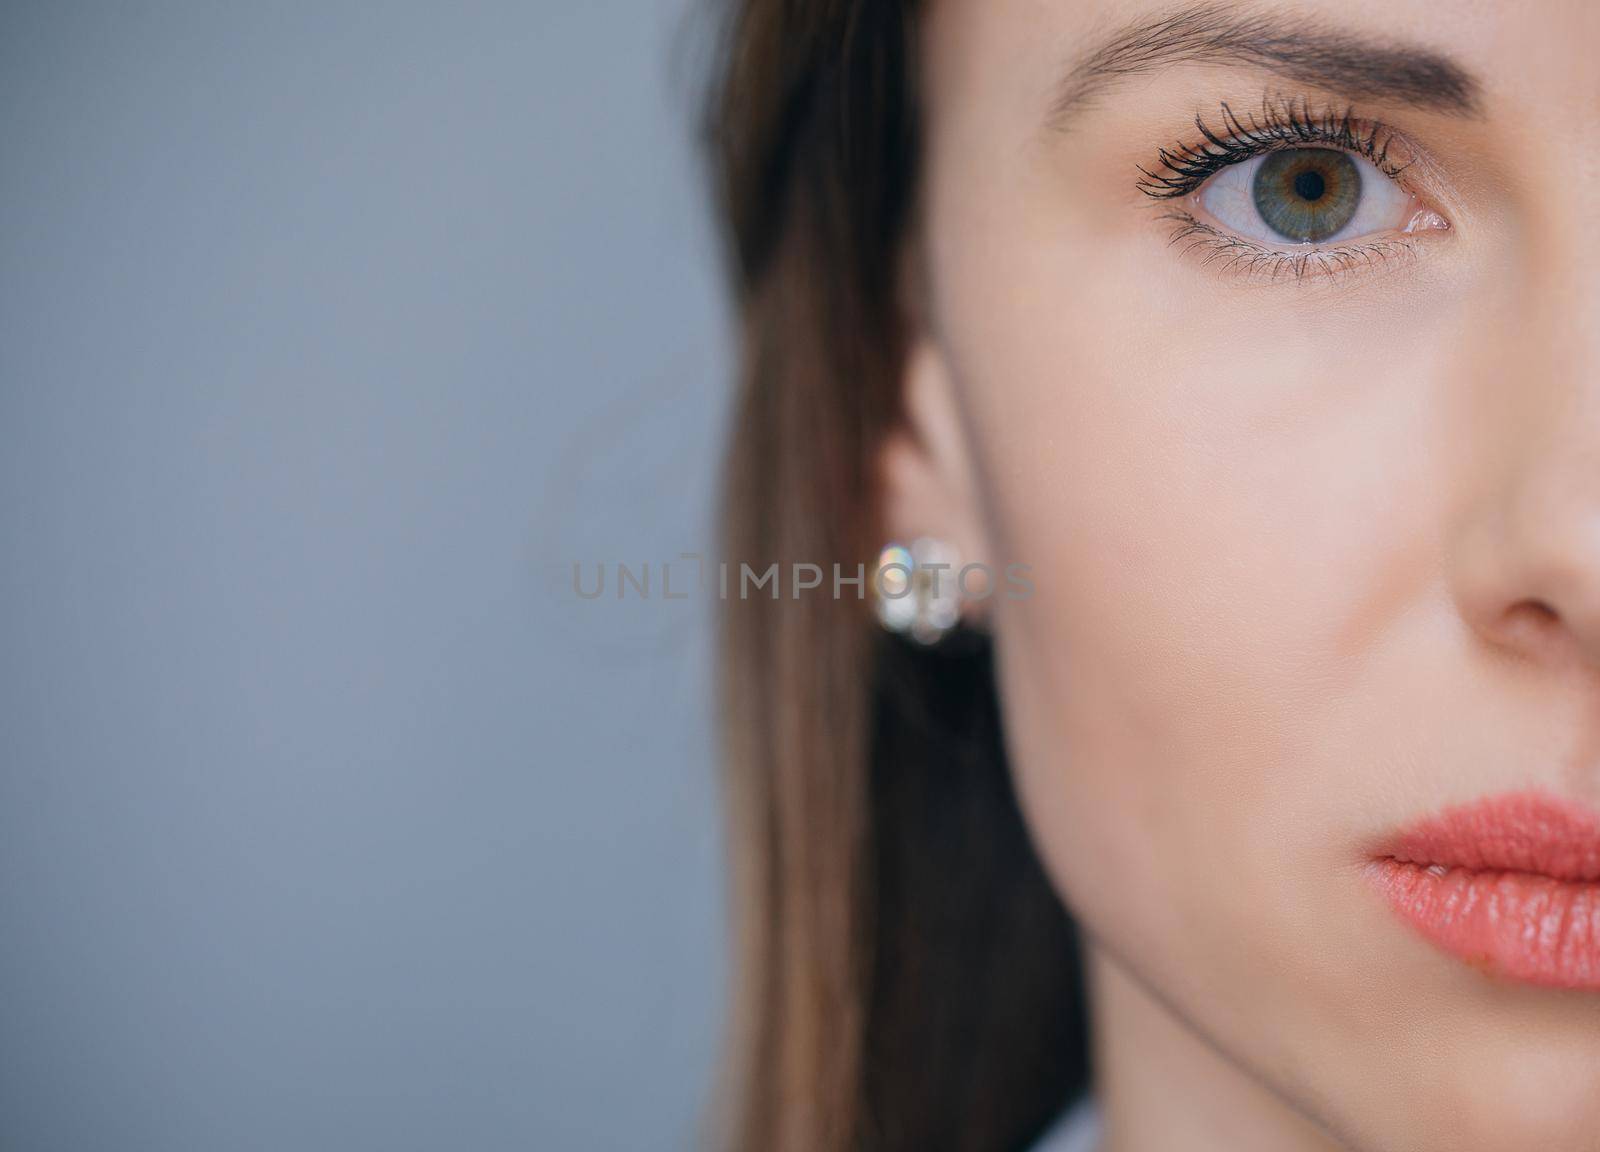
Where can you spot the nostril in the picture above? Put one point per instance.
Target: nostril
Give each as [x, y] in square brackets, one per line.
[1531, 625]
[1540, 611]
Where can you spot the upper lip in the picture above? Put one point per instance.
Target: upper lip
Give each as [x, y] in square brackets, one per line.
[1527, 832]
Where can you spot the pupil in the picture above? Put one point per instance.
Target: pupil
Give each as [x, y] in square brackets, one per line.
[1310, 185]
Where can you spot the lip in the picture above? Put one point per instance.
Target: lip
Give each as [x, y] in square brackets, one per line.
[1510, 884]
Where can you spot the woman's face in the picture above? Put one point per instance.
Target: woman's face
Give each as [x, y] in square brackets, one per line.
[1304, 454]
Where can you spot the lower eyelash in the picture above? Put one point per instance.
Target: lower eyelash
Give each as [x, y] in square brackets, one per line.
[1235, 254]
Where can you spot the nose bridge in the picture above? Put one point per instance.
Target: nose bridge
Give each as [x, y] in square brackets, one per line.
[1562, 310]
[1527, 560]
[1555, 253]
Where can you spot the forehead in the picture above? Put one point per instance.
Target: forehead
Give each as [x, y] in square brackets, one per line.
[983, 57]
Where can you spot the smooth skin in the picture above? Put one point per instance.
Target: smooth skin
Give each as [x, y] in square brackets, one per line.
[1314, 556]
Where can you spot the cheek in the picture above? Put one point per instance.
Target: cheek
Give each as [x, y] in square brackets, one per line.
[1227, 515]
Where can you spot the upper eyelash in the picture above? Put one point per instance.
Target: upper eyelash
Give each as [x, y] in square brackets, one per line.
[1280, 124]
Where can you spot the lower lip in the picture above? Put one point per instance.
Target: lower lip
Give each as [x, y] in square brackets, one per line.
[1511, 885]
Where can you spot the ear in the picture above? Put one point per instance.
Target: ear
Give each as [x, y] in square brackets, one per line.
[926, 466]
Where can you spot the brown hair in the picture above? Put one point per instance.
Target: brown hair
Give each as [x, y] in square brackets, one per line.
[906, 977]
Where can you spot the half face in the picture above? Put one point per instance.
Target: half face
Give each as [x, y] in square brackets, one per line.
[1274, 337]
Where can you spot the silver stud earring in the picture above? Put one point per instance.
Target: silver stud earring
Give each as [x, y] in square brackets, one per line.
[918, 589]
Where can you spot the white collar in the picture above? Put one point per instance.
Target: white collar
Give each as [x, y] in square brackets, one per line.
[1077, 1131]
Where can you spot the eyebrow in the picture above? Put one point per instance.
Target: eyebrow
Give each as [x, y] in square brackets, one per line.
[1297, 47]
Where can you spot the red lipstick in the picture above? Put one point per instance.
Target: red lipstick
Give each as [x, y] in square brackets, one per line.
[1510, 884]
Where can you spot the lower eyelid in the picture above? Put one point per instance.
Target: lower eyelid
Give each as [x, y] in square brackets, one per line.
[1238, 256]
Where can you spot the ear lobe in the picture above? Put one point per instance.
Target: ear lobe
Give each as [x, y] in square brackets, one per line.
[929, 483]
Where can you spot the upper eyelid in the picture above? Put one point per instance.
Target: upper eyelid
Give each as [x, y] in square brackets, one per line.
[1282, 123]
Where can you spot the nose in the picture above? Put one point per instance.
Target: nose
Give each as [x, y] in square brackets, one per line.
[1527, 567]
[1525, 558]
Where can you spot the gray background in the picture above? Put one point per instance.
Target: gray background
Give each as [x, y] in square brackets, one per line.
[330, 335]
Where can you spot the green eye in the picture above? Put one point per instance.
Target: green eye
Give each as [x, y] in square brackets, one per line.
[1307, 194]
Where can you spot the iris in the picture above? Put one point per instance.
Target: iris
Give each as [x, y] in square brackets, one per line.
[1307, 194]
